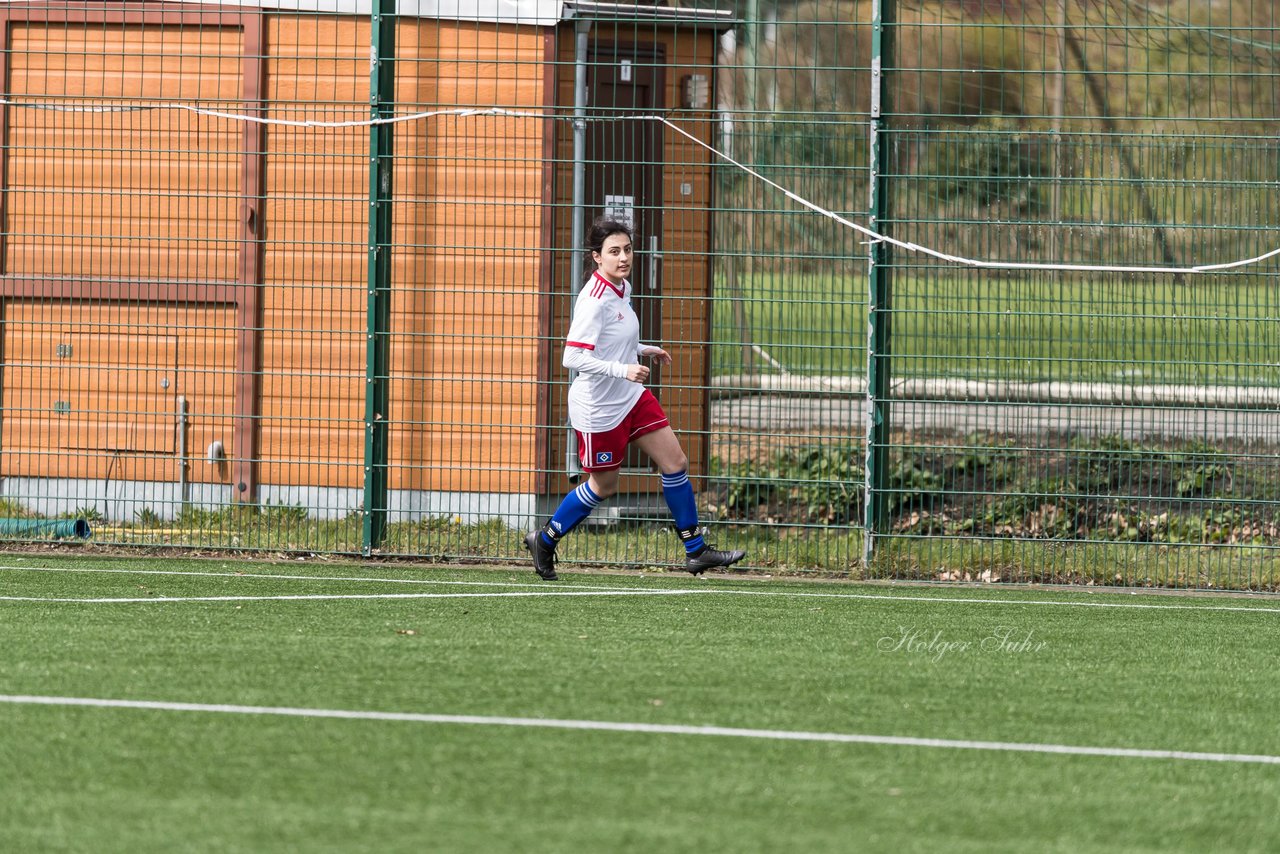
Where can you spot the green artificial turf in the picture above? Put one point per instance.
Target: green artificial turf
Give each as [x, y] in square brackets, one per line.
[987, 664]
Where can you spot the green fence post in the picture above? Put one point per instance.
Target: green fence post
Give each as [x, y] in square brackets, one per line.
[377, 357]
[876, 505]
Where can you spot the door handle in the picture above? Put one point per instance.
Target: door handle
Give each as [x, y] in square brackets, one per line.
[655, 258]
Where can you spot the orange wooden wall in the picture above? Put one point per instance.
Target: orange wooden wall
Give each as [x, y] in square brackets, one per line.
[89, 188]
[152, 196]
[115, 193]
[469, 219]
[121, 371]
[466, 225]
[315, 253]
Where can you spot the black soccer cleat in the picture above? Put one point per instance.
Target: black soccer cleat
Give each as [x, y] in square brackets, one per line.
[710, 558]
[544, 556]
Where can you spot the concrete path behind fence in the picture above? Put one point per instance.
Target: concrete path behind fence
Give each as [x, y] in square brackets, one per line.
[783, 404]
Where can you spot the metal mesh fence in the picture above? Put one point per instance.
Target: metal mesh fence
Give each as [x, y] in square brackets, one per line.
[299, 279]
[1100, 424]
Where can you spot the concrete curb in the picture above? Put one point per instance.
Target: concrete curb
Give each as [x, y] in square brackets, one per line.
[1003, 391]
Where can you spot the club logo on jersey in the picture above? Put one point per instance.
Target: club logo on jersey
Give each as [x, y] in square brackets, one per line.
[603, 458]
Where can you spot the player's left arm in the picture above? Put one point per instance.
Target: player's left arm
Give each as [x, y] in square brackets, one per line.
[651, 351]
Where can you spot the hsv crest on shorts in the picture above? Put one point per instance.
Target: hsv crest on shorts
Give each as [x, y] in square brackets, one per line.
[603, 458]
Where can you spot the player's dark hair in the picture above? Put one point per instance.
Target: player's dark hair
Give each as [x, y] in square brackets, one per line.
[601, 230]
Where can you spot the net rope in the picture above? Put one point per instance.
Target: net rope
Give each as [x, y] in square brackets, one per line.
[499, 112]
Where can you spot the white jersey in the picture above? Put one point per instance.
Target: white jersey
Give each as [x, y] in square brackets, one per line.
[603, 340]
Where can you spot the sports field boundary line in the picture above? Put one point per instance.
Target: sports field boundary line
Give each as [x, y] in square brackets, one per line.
[708, 586]
[295, 597]
[370, 579]
[270, 576]
[642, 728]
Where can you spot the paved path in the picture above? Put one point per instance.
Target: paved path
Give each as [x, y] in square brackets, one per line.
[846, 414]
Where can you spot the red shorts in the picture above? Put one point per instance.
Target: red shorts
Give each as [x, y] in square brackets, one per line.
[604, 451]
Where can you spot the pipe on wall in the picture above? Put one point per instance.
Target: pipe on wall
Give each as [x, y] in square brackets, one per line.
[184, 485]
[581, 35]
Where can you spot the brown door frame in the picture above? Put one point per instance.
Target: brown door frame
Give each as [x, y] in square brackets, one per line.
[246, 292]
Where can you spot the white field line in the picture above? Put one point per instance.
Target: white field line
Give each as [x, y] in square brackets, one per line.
[562, 589]
[279, 577]
[513, 594]
[650, 729]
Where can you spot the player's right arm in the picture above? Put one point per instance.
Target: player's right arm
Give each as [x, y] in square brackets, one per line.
[582, 360]
[580, 345]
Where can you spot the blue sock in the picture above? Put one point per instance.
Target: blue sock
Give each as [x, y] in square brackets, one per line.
[575, 507]
[684, 509]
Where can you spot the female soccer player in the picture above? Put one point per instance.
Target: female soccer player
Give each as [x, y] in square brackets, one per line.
[609, 408]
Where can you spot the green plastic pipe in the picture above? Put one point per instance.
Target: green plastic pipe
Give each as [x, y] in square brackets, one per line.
[56, 528]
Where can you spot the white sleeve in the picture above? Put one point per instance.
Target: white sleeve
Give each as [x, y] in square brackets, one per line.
[580, 343]
[584, 361]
